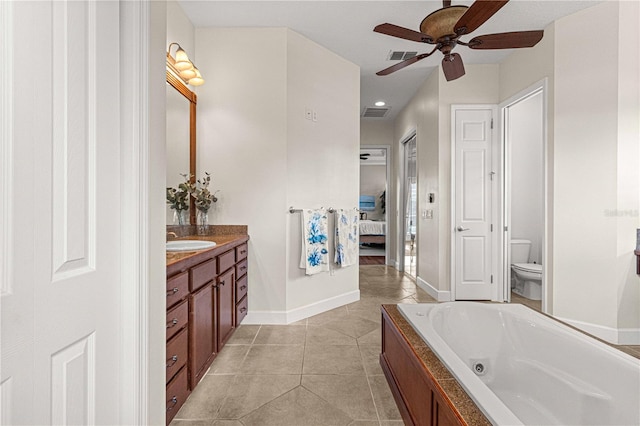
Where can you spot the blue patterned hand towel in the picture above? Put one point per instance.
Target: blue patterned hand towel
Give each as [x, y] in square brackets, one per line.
[346, 241]
[315, 253]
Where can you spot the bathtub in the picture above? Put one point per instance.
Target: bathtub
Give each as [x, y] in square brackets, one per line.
[521, 367]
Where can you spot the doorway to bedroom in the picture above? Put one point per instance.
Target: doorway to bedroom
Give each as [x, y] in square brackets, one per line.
[374, 173]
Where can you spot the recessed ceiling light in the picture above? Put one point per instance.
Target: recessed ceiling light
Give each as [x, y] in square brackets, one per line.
[380, 103]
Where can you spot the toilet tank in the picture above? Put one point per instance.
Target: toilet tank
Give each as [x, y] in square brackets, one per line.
[520, 251]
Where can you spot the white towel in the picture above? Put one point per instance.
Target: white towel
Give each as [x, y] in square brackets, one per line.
[315, 253]
[346, 241]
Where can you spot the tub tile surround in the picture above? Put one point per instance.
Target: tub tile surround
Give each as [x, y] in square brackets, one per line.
[299, 374]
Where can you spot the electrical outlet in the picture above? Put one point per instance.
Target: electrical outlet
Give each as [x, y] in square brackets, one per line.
[315, 115]
[308, 113]
[429, 214]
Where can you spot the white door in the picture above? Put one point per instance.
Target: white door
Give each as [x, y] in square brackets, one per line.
[472, 175]
[60, 191]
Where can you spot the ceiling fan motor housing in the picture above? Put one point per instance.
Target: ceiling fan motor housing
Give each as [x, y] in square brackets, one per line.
[441, 23]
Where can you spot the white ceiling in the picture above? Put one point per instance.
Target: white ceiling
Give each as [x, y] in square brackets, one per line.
[346, 28]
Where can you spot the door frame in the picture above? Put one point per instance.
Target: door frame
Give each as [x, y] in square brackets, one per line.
[505, 189]
[496, 250]
[402, 202]
[387, 197]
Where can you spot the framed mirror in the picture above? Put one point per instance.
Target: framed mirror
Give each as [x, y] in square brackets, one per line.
[180, 136]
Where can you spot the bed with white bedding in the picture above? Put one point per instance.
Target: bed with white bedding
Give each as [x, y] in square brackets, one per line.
[373, 231]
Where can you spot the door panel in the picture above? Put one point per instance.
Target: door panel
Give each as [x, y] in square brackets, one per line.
[60, 320]
[472, 215]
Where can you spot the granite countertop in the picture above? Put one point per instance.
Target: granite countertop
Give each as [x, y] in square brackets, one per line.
[458, 397]
[225, 237]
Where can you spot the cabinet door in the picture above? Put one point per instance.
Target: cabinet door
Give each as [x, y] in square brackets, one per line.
[226, 306]
[202, 332]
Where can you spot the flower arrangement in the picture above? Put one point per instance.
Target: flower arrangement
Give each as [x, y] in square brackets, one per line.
[178, 199]
[202, 194]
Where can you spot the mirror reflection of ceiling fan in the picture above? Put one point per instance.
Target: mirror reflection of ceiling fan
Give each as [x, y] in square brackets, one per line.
[444, 27]
[364, 156]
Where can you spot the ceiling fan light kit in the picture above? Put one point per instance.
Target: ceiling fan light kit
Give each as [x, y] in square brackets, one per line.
[445, 26]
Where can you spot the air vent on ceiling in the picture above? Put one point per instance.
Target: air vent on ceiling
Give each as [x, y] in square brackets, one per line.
[396, 55]
[377, 112]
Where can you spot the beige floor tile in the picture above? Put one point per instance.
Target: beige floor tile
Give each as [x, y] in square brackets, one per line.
[385, 404]
[373, 338]
[281, 335]
[354, 327]
[350, 394]
[329, 316]
[298, 407]
[368, 314]
[391, 423]
[177, 422]
[321, 335]
[244, 335]
[229, 360]
[273, 359]
[206, 399]
[364, 423]
[227, 423]
[248, 393]
[332, 359]
[371, 359]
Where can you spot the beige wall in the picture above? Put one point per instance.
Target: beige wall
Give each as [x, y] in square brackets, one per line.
[265, 156]
[596, 191]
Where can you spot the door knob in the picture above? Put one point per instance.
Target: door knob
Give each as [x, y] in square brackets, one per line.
[460, 229]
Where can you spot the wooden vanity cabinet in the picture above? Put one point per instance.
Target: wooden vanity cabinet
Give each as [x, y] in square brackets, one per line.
[205, 303]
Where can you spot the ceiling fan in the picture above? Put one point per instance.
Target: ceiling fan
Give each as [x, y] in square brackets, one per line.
[445, 26]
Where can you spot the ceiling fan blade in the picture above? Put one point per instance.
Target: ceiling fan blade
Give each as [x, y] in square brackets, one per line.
[452, 66]
[406, 63]
[512, 40]
[401, 32]
[446, 3]
[477, 14]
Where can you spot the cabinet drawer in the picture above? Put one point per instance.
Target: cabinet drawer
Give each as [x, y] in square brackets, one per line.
[177, 318]
[241, 287]
[202, 274]
[241, 252]
[226, 260]
[241, 310]
[241, 268]
[177, 288]
[177, 350]
[177, 393]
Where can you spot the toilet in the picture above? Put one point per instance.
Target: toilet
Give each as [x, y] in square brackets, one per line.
[526, 278]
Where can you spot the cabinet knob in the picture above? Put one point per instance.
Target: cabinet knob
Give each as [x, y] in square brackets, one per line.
[242, 268]
[243, 287]
[243, 251]
[175, 401]
[172, 291]
[243, 310]
[222, 282]
[172, 323]
[173, 360]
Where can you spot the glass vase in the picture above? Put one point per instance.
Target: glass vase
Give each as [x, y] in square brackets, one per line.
[202, 221]
[181, 217]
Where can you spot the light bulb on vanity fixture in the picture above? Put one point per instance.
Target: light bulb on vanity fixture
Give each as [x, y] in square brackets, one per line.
[183, 67]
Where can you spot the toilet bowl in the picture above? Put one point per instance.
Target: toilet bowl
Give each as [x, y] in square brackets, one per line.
[526, 278]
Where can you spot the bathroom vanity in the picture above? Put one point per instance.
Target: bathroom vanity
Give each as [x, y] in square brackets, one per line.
[206, 301]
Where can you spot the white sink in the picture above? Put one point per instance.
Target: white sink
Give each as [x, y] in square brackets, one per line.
[189, 245]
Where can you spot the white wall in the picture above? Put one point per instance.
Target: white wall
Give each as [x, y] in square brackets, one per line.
[596, 185]
[322, 157]
[180, 30]
[525, 144]
[265, 156]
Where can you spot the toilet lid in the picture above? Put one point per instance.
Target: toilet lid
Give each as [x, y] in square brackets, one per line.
[528, 267]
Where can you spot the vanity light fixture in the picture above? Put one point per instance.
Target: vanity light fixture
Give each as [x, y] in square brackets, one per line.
[182, 67]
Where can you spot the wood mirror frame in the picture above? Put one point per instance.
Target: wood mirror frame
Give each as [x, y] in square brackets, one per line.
[177, 84]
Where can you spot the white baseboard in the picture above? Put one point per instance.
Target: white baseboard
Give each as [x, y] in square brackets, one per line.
[297, 314]
[439, 295]
[616, 336]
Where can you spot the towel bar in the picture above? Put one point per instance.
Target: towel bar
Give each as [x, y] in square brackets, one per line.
[330, 210]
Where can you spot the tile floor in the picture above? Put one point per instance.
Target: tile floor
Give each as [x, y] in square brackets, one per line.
[320, 371]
